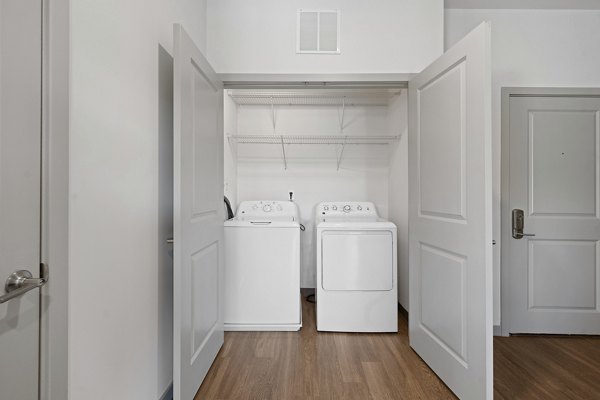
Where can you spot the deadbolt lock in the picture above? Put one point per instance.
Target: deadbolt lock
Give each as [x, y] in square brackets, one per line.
[518, 224]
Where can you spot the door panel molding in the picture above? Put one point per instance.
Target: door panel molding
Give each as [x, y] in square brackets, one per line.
[451, 177]
[564, 186]
[545, 265]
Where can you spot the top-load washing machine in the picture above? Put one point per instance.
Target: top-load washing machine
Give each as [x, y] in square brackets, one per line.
[262, 268]
[356, 269]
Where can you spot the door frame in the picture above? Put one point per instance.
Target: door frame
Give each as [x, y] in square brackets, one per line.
[506, 224]
[54, 372]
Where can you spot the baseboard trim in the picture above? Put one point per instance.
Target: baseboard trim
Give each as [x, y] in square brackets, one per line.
[168, 394]
[497, 330]
[262, 328]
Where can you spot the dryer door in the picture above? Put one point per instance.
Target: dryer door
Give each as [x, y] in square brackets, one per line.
[357, 260]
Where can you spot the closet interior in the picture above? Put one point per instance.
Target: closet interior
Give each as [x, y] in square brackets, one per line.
[319, 145]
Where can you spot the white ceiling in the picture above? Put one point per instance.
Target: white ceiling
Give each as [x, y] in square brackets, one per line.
[525, 4]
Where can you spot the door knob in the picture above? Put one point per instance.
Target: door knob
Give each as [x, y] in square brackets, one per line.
[22, 281]
[518, 224]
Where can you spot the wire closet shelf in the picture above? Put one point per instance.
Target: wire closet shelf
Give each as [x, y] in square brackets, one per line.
[337, 97]
[315, 139]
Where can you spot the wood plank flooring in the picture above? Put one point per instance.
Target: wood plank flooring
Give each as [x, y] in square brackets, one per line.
[320, 365]
[547, 367]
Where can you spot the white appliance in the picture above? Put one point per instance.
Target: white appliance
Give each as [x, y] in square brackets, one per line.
[262, 268]
[356, 269]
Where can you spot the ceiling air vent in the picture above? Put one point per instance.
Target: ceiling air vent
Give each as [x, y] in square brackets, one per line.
[318, 31]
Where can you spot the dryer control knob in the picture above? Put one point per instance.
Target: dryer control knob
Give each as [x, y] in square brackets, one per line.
[347, 208]
[326, 208]
[334, 208]
[359, 208]
[267, 208]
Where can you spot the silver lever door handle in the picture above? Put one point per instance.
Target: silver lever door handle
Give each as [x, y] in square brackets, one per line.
[22, 281]
[522, 235]
[518, 223]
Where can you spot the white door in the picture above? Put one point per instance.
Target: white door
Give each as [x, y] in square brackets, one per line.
[554, 276]
[198, 216]
[20, 163]
[450, 216]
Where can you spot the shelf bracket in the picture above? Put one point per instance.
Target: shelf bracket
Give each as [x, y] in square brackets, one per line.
[283, 152]
[343, 112]
[339, 160]
[273, 113]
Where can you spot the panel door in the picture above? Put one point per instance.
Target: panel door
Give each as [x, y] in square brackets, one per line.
[554, 276]
[20, 163]
[450, 216]
[198, 216]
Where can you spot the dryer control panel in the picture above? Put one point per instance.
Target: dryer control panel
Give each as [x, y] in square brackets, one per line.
[347, 208]
[267, 209]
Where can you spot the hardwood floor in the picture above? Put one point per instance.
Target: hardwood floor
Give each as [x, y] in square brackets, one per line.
[319, 365]
[547, 367]
[310, 365]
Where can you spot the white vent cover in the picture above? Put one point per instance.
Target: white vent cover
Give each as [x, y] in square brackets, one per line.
[318, 31]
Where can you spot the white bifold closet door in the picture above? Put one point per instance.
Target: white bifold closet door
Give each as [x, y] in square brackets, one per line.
[198, 216]
[450, 216]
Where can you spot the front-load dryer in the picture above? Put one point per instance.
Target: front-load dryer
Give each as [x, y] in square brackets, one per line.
[262, 268]
[356, 269]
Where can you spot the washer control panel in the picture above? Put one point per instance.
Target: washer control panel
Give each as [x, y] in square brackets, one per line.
[267, 209]
[347, 208]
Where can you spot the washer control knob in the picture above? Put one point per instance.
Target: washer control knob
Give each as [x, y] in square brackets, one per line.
[347, 208]
[326, 208]
[334, 208]
[359, 208]
[267, 208]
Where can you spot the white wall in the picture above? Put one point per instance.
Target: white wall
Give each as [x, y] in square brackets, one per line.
[120, 299]
[312, 174]
[530, 48]
[230, 149]
[398, 189]
[383, 36]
